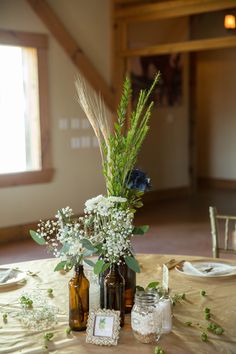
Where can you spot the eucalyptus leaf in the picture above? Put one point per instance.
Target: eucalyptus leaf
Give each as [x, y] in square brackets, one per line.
[99, 266]
[153, 285]
[140, 230]
[60, 266]
[88, 245]
[132, 264]
[65, 248]
[105, 267]
[88, 253]
[37, 238]
[99, 248]
[89, 262]
[139, 288]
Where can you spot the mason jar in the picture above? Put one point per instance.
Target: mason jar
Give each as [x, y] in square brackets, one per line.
[146, 317]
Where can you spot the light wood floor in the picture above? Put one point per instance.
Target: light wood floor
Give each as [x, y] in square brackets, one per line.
[179, 226]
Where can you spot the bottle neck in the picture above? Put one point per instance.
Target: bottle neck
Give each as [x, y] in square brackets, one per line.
[114, 268]
[79, 269]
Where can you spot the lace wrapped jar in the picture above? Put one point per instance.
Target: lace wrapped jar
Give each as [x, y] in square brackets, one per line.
[146, 317]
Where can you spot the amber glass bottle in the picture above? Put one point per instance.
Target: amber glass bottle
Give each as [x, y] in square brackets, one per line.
[78, 300]
[130, 286]
[114, 292]
[102, 277]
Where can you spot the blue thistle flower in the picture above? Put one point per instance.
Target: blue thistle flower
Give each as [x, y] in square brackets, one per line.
[138, 180]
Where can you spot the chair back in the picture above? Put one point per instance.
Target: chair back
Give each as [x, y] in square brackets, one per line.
[226, 224]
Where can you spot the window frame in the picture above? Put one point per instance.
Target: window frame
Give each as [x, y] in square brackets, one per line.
[40, 43]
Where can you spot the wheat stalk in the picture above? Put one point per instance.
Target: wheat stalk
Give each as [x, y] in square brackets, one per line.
[96, 112]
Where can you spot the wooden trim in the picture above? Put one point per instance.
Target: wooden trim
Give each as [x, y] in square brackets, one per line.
[164, 194]
[40, 43]
[46, 157]
[17, 232]
[180, 47]
[169, 9]
[71, 47]
[229, 250]
[23, 178]
[216, 183]
[20, 232]
[23, 39]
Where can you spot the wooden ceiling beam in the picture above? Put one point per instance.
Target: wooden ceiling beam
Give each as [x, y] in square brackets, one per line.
[179, 47]
[72, 48]
[169, 9]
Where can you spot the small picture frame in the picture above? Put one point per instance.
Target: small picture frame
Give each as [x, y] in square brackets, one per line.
[103, 327]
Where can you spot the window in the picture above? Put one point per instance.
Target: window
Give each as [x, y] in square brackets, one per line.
[24, 126]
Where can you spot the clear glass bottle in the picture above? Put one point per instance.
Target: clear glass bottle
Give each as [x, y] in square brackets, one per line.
[114, 292]
[146, 317]
[78, 300]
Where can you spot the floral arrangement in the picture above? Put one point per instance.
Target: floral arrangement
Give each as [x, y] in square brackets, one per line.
[107, 224]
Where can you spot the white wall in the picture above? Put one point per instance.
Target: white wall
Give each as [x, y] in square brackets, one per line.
[78, 173]
[216, 113]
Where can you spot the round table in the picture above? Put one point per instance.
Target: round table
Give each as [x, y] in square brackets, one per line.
[220, 298]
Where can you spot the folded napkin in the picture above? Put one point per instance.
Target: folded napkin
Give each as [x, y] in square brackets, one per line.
[5, 274]
[208, 269]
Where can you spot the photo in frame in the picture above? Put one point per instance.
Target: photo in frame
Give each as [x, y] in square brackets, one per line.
[169, 91]
[103, 327]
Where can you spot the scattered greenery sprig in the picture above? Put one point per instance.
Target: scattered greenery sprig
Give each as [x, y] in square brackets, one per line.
[211, 326]
[159, 350]
[26, 301]
[50, 292]
[47, 338]
[68, 331]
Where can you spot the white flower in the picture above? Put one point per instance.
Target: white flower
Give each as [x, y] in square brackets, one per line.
[92, 203]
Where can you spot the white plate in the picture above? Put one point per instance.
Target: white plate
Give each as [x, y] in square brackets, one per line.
[15, 276]
[207, 269]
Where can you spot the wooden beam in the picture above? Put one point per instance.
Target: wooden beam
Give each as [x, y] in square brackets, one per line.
[179, 47]
[23, 39]
[170, 9]
[71, 47]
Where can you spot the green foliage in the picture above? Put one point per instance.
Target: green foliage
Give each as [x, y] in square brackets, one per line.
[188, 323]
[26, 301]
[48, 336]
[4, 317]
[153, 285]
[88, 245]
[89, 262]
[140, 230]
[60, 266]
[124, 144]
[50, 292]
[100, 266]
[37, 238]
[204, 337]
[132, 263]
[159, 350]
[139, 288]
